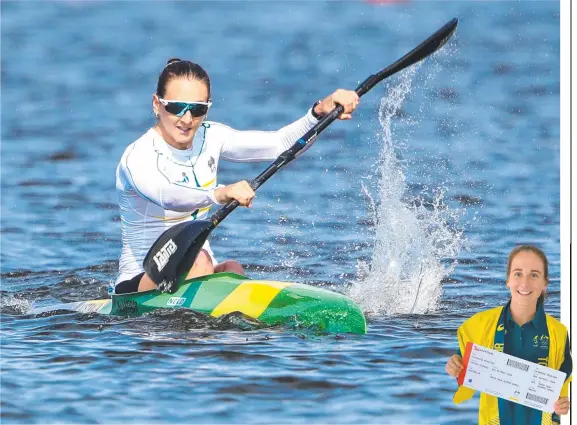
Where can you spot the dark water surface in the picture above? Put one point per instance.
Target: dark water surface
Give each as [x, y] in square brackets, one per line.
[475, 143]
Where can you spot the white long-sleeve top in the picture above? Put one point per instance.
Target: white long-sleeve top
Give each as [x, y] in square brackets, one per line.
[159, 186]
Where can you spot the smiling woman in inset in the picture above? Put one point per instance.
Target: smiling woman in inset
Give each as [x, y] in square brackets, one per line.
[522, 329]
[169, 175]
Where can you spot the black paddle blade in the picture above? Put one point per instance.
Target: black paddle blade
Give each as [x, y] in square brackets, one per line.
[426, 48]
[423, 50]
[174, 251]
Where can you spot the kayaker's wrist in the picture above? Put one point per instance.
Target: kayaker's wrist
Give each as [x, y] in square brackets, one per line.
[315, 113]
[218, 195]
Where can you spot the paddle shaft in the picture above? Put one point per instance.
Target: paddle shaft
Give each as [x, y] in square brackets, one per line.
[430, 45]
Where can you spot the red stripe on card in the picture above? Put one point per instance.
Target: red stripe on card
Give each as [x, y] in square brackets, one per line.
[466, 357]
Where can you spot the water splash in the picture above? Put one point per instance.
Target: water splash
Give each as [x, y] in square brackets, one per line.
[11, 305]
[414, 234]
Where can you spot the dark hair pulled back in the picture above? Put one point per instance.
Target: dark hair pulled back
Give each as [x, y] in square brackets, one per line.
[178, 68]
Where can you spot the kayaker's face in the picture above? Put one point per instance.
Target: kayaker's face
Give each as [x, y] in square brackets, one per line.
[526, 279]
[179, 131]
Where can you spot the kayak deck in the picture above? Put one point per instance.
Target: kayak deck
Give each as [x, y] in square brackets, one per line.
[270, 302]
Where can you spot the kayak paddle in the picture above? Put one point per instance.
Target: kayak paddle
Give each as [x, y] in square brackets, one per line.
[174, 252]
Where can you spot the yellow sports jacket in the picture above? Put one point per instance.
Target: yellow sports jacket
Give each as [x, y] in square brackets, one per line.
[480, 329]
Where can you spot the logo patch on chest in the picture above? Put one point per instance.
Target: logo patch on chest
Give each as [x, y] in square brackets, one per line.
[541, 341]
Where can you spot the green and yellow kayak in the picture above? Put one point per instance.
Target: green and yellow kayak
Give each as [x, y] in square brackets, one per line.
[270, 302]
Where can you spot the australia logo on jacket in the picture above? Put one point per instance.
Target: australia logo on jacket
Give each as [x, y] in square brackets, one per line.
[541, 341]
[211, 164]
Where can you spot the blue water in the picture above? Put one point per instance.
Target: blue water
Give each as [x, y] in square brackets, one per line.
[412, 215]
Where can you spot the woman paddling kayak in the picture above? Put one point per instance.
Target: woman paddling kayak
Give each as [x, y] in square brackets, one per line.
[169, 175]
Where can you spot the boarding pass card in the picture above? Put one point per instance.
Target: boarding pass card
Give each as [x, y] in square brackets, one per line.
[510, 378]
